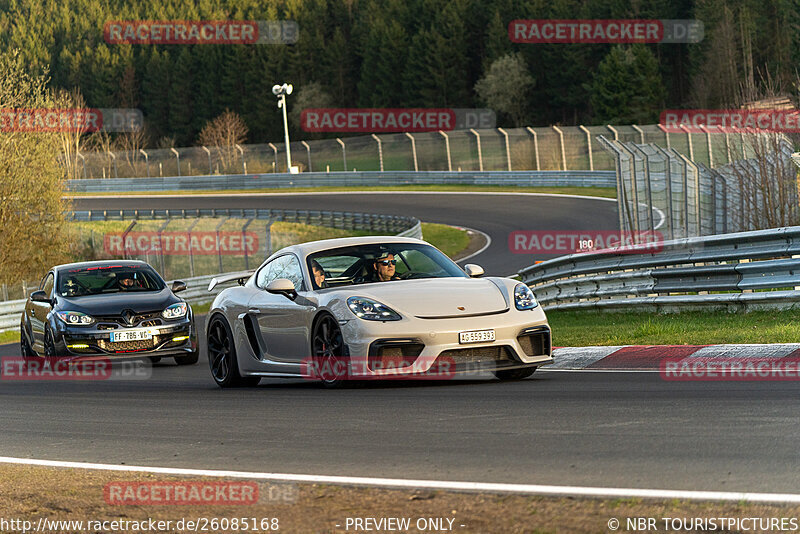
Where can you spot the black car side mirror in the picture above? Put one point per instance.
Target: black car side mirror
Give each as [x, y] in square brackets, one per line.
[178, 285]
[40, 296]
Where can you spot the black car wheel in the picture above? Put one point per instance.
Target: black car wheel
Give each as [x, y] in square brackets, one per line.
[327, 346]
[25, 346]
[514, 374]
[49, 345]
[222, 356]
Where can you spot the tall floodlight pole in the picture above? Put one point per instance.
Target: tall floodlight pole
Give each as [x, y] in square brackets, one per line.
[281, 91]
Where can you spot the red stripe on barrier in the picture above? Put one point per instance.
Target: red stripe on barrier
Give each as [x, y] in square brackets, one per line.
[644, 356]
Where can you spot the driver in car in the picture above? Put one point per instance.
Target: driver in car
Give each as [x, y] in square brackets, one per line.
[127, 281]
[384, 268]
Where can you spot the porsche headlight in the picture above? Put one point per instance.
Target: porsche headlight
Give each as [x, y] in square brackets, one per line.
[176, 311]
[523, 298]
[371, 310]
[74, 318]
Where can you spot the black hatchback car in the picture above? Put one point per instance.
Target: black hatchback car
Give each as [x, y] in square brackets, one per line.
[116, 309]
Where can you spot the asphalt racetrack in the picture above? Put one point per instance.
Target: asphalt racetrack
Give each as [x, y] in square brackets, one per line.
[497, 215]
[608, 429]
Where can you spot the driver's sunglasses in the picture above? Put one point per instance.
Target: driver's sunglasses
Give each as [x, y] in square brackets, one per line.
[386, 263]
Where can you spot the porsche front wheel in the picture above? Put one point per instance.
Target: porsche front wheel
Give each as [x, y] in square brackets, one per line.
[222, 356]
[327, 345]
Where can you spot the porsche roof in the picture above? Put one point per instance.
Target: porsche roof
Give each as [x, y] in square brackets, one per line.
[311, 247]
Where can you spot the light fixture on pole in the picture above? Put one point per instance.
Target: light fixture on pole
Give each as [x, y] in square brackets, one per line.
[281, 91]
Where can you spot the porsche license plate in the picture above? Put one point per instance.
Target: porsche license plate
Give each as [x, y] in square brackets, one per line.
[476, 336]
[130, 335]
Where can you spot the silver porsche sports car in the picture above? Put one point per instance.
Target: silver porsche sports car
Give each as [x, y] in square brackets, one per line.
[372, 307]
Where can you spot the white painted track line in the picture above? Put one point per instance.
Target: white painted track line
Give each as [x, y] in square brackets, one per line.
[530, 489]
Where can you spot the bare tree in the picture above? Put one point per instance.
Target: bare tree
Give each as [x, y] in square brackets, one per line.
[224, 133]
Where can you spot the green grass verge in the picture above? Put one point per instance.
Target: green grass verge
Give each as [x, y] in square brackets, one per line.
[604, 192]
[586, 328]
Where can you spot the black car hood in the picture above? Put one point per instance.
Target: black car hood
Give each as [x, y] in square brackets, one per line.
[115, 303]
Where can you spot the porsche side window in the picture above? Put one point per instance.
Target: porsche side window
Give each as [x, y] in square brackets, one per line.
[287, 267]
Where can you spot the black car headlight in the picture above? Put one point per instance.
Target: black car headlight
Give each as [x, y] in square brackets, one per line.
[74, 318]
[524, 298]
[176, 311]
[371, 310]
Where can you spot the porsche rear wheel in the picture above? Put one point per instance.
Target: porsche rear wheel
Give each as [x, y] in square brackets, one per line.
[327, 346]
[222, 356]
[514, 374]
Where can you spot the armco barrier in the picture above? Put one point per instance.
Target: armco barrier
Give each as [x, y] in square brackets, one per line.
[345, 179]
[746, 270]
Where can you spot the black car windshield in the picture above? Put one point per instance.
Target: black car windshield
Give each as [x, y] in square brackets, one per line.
[95, 280]
[363, 264]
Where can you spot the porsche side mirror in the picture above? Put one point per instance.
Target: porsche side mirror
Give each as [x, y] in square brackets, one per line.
[474, 271]
[282, 286]
[178, 285]
[40, 296]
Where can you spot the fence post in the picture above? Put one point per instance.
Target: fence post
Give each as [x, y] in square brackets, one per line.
[124, 235]
[480, 153]
[268, 240]
[308, 151]
[244, 163]
[447, 147]
[413, 150]
[563, 149]
[380, 150]
[219, 249]
[208, 154]
[83, 160]
[344, 155]
[178, 158]
[191, 247]
[508, 148]
[708, 143]
[589, 143]
[146, 161]
[535, 147]
[244, 244]
[114, 159]
[666, 135]
[275, 152]
[689, 139]
[614, 131]
[161, 248]
[641, 132]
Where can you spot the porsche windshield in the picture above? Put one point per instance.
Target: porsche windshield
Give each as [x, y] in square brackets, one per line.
[363, 264]
[108, 279]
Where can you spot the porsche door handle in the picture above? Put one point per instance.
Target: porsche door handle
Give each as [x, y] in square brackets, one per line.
[253, 310]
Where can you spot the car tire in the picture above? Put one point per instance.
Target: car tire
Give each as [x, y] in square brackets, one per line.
[50, 352]
[188, 359]
[329, 352]
[514, 374]
[222, 356]
[25, 349]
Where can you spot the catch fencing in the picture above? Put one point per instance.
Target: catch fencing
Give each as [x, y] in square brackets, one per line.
[737, 271]
[499, 149]
[663, 189]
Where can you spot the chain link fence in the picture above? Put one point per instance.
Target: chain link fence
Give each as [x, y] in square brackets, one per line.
[509, 149]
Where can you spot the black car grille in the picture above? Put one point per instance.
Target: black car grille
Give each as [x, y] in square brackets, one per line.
[497, 353]
[112, 322]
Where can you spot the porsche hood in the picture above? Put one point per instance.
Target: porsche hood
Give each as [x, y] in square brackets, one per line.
[436, 298]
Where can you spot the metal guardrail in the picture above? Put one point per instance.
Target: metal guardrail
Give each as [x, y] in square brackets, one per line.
[391, 224]
[345, 179]
[746, 270]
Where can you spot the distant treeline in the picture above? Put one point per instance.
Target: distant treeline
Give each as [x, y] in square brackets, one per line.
[402, 53]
